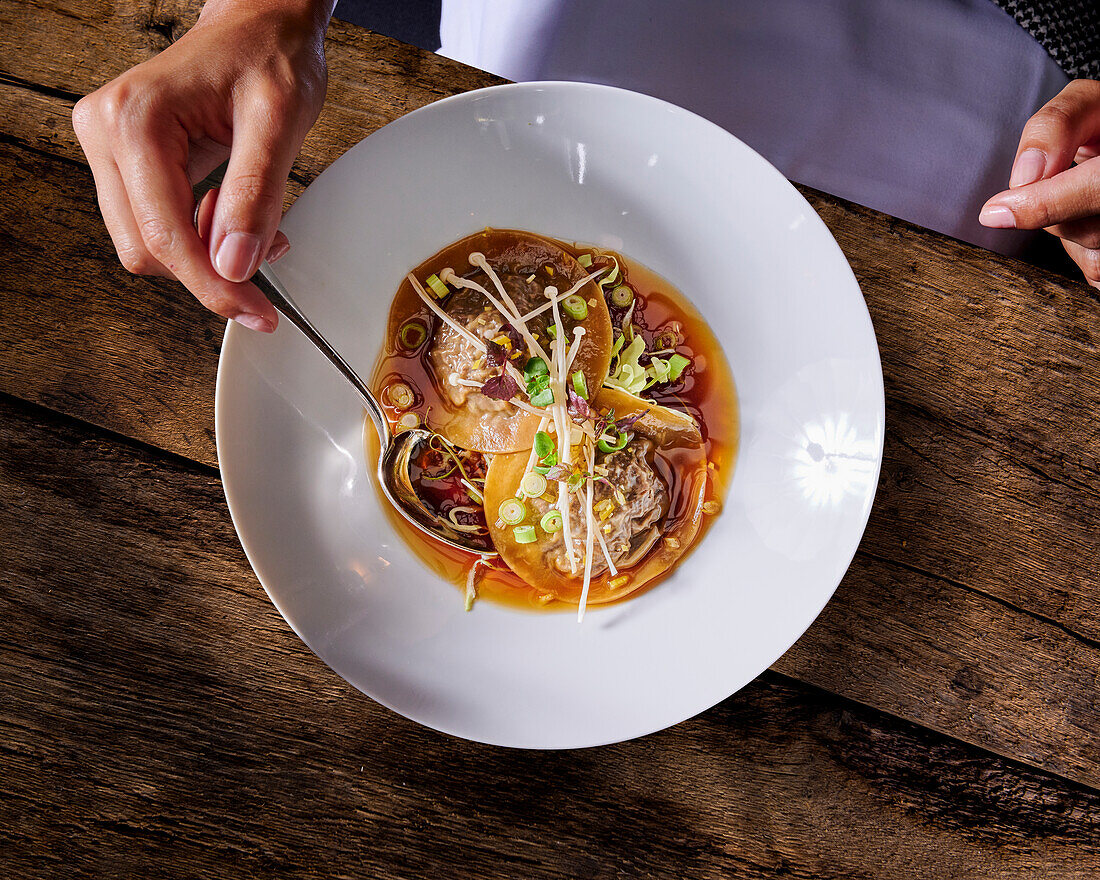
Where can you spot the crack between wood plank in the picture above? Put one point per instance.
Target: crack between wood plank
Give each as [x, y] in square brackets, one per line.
[13, 141]
[1005, 603]
[1013, 760]
[986, 441]
[9, 79]
[53, 416]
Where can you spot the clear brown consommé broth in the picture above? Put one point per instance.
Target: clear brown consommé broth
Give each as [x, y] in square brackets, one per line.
[706, 391]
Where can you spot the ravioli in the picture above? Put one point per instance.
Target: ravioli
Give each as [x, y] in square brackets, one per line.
[526, 267]
[643, 535]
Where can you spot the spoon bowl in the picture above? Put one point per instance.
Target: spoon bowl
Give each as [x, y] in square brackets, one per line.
[395, 451]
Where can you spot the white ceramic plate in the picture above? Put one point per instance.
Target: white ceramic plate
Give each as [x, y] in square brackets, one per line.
[620, 170]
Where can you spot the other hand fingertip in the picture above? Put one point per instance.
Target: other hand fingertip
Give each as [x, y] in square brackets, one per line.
[278, 249]
[997, 217]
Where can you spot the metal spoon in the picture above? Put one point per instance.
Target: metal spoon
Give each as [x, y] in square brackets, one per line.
[396, 451]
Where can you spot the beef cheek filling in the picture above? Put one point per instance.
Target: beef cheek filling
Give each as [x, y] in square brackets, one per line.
[453, 357]
[631, 528]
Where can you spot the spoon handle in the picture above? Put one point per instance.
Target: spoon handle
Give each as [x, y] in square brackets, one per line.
[269, 283]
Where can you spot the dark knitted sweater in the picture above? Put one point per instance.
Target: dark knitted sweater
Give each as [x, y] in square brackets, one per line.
[1068, 29]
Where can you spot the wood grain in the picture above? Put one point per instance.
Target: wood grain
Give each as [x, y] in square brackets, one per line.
[177, 728]
[132, 354]
[982, 506]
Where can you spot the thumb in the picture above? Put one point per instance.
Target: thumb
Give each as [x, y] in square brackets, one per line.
[250, 203]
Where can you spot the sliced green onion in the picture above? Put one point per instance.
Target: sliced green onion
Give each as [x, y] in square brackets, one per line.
[665, 339]
[412, 335]
[580, 385]
[544, 444]
[575, 307]
[619, 443]
[536, 366]
[551, 521]
[512, 511]
[400, 395]
[437, 286]
[585, 260]
[622, 296]
[658, 369]
[552, 331]
[525, 534]
[408, 421]
[543, 397]
[612, 276]
[618, 345]
[676, 366]
[532, 485]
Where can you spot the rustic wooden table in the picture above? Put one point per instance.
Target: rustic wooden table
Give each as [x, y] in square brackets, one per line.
[159, 719]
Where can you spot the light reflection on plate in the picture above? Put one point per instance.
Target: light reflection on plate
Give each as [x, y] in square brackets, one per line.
[618, 170]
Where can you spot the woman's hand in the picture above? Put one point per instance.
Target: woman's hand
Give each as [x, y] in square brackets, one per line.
[1046, 189]
[246, 82]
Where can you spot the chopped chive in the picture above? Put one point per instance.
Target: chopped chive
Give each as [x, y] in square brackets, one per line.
[622, 296]
[512, 511]
[525, 534]
[532, 485]
[438, 287]
[619, 443]
[575, 307]
[412, 335]
[676, 366]
[400, 395]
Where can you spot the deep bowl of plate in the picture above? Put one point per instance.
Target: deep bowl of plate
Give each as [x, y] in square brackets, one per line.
[618, 170]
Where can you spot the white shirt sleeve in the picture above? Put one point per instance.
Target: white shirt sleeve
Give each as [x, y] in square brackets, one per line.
[913, 108]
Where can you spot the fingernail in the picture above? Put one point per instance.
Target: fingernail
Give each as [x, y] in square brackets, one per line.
[237, 256]
[255, 322]
[997, 217]
[1028, 168]
[277, 251]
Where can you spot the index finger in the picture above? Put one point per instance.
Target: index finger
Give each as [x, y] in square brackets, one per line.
[1051, 137]
[162, 201]
[1070, 195]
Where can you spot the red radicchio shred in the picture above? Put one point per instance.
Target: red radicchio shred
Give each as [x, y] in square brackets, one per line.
[559, 472]
[502, 387]
[495, 354]
[515, 337]
[628, 422]
[579, 407]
